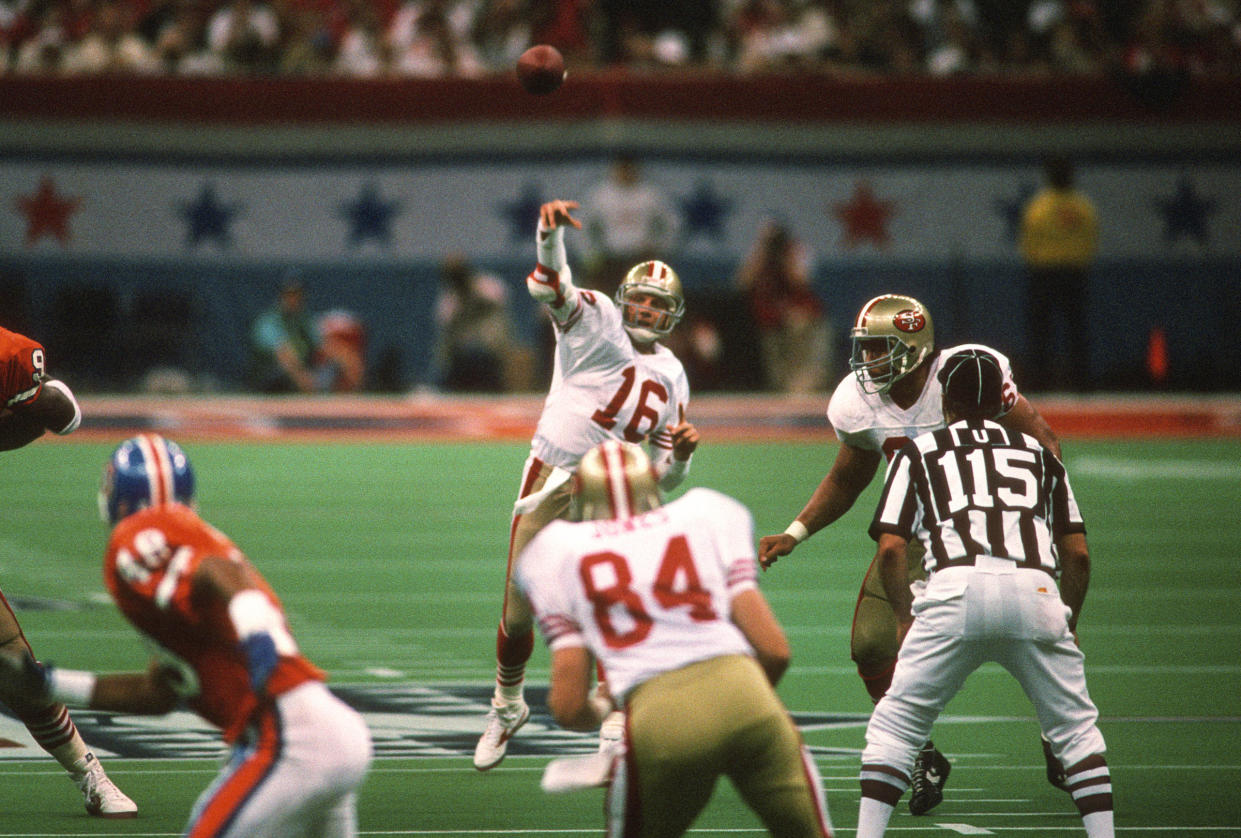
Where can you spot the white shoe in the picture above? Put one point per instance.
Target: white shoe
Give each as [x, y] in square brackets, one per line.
[103, 798]
[591, 771]
[612, 734]
[505, 719]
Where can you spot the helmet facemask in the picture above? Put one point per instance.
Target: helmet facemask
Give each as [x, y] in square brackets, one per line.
[878, 369]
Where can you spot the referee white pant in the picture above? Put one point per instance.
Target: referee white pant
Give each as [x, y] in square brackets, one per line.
[295, 773]
[967, 616]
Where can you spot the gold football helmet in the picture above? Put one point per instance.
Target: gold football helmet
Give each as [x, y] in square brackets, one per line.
[646, 323]
[891, 336]
[614, 480]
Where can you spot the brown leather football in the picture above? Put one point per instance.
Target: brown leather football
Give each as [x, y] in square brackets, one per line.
[540, 69]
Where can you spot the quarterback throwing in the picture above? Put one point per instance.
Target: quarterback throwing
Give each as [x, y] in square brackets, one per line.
[612, 379]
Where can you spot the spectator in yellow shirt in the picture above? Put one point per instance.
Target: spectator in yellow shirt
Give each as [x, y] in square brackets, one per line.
[1058, 239]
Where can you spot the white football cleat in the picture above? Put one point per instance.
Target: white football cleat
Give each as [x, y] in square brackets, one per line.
[505, 719]
[612, 734]
[103, 798]
[574, 773]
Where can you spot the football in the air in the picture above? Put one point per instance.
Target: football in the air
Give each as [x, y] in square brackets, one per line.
[540, 69]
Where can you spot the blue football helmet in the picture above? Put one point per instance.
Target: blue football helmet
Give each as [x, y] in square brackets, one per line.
[145, 470]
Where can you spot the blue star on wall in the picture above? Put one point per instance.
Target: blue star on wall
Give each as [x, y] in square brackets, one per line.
[705, 211]
[522, 214]
[1185, 213]
[208, 218]
[1011, 209]
[370, 217]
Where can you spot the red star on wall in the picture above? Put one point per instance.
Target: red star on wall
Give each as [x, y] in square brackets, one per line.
[864, 217]
[47, 214]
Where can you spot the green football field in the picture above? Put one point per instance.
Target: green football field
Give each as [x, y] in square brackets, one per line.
[390, 561]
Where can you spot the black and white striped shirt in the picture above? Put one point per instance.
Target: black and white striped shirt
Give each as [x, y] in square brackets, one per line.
[978, 489]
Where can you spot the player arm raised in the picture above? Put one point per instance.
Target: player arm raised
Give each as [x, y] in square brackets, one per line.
[55, 409]
[551, 281]
[850, 474]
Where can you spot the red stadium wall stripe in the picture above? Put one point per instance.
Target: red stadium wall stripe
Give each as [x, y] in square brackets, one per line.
[726, 418]
[615, 94]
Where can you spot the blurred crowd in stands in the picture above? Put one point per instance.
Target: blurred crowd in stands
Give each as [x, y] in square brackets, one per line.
[478, 38]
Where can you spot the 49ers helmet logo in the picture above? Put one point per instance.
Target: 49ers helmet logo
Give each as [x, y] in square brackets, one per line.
[909, 320]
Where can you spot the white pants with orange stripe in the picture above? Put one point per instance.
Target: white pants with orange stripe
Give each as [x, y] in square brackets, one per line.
[296, 773]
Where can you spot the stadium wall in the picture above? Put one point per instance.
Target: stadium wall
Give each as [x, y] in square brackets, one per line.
[756, 418]
[165, 211]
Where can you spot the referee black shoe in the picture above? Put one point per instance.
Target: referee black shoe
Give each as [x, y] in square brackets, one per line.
[926, 787]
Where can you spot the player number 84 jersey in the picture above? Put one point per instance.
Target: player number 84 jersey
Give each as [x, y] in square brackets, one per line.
[646, 594]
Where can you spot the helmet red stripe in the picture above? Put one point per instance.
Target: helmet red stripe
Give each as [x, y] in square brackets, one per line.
[865, 312]
[159, 468]
[154, 484]
[620, 493]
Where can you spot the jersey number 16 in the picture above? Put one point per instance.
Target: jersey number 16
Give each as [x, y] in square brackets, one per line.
[606, 417]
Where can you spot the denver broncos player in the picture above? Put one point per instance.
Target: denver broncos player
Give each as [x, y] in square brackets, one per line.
[666, 597]
[31, 404]
[221, 643]
[612, 379]
[892, 396]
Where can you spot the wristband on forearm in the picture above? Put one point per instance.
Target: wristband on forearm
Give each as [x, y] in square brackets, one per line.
[70, 686]
[797, 530]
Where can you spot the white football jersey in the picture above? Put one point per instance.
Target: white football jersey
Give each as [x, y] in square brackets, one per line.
[646, 594]
[603, 388]
[876, 423]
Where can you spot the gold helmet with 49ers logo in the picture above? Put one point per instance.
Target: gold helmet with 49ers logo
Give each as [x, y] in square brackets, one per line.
[614, 480]
[656, 280]
[892, 335]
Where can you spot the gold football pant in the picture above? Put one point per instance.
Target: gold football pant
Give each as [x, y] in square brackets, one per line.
[688, 727]
[516, 617]
[875, 639]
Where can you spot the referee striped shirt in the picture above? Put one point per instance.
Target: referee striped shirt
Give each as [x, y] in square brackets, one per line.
[978, 489]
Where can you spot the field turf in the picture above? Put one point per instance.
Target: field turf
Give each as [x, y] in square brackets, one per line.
[390, 561]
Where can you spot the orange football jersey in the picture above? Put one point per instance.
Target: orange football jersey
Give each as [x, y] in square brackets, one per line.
[21, 368]
[150, 562]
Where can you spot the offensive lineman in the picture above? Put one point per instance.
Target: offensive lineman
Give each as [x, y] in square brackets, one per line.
[31, 403]
[999, 524]
[666, 597]
[612, 379]
[298, 752]
[892, 396]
